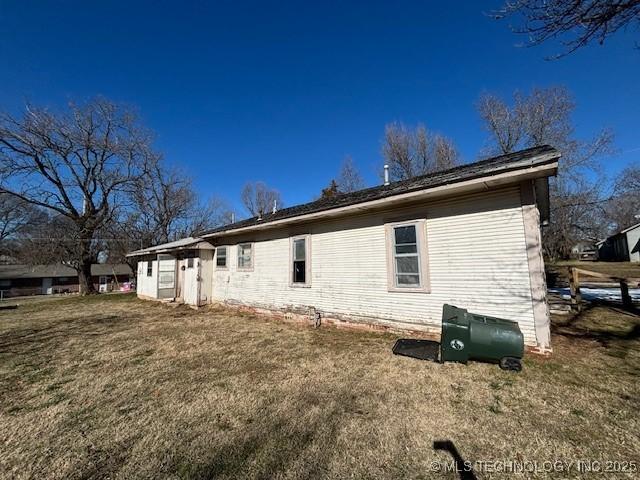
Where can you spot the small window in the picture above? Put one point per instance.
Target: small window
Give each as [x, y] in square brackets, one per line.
[245, 256]
[190, 262]
[300, 261]
[221, 258]
[406, 243]
[149, 268]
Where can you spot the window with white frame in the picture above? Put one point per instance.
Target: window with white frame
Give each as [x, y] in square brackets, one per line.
[190, 262]
[245, 256]
[149, 268]
[300, 261]
[407, 262]
[221, 257]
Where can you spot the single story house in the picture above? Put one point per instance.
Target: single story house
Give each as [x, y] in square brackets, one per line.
[624, 246]
[385, 257]
[20, 280]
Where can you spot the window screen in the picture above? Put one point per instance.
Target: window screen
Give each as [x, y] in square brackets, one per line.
[221, 258]
[245, 255]
[406, 256]
[299, 274]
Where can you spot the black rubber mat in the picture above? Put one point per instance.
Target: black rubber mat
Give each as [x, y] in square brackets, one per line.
[420, 349]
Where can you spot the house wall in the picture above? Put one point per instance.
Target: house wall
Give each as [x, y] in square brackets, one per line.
[633, 244]
[615, 249]
[477, 259]
[193, 285]
[17, 287]
[147, 286]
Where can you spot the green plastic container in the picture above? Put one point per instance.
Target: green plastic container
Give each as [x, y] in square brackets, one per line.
[468, 336]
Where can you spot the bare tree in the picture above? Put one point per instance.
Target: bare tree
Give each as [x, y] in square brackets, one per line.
[445, 153]
[505, 124]
[410, 153]
[544, 117]
[80, 165]
[349, 179]
[628, 180]
[165, 207]
[330, 191]
[52, 240]
[259, 199]
[623, 209]
[16, 216]
[578, 22]
[18, 220]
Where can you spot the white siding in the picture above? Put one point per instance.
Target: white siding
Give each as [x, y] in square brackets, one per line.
[477, 259]
[633, 243]
[147, 286]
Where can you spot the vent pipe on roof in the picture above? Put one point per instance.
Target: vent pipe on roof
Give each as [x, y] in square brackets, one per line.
[275, 206]
[386, 174]
[233, 217]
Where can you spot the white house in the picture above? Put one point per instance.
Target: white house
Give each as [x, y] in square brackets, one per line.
[388, 256]
[623, 246]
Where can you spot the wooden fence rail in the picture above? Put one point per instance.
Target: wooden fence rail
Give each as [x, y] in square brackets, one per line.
[574, 286]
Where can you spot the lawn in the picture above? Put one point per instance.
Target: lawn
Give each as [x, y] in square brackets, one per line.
[113, 387]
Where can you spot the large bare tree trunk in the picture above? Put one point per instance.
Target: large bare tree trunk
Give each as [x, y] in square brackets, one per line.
[84, 279]
[85, 260]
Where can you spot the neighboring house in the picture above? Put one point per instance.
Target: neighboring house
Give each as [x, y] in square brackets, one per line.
[19, 280]
[584, 250]
[388, 256]
[624, 246]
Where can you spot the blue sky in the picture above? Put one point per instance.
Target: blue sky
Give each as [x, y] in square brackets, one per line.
[281, 92]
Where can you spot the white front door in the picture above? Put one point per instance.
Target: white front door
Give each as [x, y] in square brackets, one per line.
[166, 276]
[191, 280]
[103, 285]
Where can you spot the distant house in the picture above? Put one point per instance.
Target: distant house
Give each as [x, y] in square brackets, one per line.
[19, 280]
[624, 246]
[383, 257]
[584, 250]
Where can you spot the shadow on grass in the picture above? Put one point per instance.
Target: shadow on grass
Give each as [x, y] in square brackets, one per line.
[462, 467]
[614, 328]
[601, 322]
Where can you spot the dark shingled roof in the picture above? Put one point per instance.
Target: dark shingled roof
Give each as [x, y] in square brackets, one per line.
[504, 163]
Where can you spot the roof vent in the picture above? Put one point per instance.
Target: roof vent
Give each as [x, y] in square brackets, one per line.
[386, 174]
[275, 206]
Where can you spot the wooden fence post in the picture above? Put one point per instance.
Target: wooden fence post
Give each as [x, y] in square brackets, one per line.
[624, 290]
[574, 286]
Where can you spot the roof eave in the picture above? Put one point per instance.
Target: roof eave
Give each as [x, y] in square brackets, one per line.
[544, 166]
[200, 245]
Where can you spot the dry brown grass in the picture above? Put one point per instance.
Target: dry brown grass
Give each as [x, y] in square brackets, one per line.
[120, 388]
